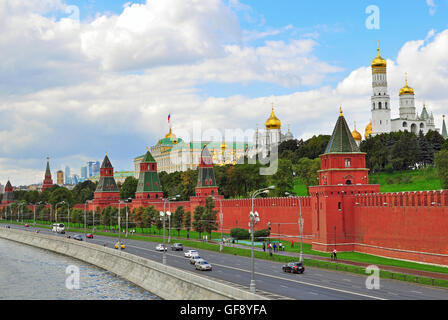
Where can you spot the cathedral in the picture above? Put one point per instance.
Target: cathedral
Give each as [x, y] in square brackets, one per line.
[272, 135]
[409, 119]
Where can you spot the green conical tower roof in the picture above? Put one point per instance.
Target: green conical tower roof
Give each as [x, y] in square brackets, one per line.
[444, 132]
[342, 140]
[106, 162]
[148, 158]
[424, 114]
[206, 174]
[8, 184]
[148, 181]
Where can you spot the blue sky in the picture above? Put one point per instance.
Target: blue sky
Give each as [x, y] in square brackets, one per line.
[107, 83]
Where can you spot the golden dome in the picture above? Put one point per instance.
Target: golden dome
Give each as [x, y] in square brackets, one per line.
[406, 89]
[171, 135]
[224, 145]
[368, 131]
[356, 135]
[273, 122]
[379, 62]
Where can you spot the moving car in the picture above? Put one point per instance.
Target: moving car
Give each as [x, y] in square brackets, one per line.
[120, 243]
[161, 247]
[203, 265]
[294, 267]
[89, 235]
[189, 253]
[195, 259]
[27, 225]
[78, 237]
[58, 227]
[177, 247]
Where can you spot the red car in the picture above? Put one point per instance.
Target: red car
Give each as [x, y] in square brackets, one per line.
[27, 225]
[90, 236]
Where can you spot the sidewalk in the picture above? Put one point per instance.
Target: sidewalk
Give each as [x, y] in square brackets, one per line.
[406, 271]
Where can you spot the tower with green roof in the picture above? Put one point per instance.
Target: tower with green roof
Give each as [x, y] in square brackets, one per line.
[149, 188]
[343, 162]
[8, 196]
[48, 182]
[444, 132]
[106, 192]
[206, 185]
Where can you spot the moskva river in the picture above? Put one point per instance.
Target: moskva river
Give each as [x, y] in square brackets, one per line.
[28, 273]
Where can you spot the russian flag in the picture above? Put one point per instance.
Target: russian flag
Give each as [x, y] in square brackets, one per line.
[169, 117]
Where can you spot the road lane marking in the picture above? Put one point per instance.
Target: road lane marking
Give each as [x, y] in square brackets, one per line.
[271, 276]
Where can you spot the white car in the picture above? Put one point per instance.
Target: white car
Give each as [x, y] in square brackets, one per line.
[195, 258]
[161, 247]
[203, 265]
[189, 253]
[58, 227]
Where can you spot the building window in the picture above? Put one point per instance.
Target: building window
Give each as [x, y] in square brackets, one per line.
[348, 163]
[379, 105]
[405, 124]
[339, 206]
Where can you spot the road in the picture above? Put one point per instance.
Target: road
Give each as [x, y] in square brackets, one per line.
[314, 284]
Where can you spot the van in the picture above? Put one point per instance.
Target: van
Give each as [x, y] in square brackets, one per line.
[58, 227]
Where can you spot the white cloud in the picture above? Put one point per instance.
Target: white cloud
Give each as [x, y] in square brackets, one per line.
[77, 106]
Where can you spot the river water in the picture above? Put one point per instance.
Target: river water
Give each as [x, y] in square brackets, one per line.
[29, 273]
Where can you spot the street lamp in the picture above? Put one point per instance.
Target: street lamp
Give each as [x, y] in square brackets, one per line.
[163, 214]
[254, 218]
[300, 224]
[62, 202]
[221, 217]
[85, 208]
[129, 200]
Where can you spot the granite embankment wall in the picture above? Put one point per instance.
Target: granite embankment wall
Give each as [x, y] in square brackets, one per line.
[162, 280]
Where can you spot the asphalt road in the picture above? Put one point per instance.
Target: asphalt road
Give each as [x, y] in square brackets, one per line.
[314, 284]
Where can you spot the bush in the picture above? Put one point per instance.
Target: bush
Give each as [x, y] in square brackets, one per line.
[259, 235]
[239, 234]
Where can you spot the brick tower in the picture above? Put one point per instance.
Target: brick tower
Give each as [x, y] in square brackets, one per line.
[343, 175]
[106, 192]
[8, 196]
[149, 188]
[48, 182]
[206, 186]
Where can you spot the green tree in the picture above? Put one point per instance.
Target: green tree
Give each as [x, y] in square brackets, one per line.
[178, 219]
[187, 223]
[198, 224]
[209, 216]
[239, 234]
[441, 163]
[306, 171]
[128, 188]
[150, 214]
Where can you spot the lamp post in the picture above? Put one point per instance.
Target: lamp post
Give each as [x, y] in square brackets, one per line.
[254, 218]
[119, 225]
[221, 218]
[299, 200]
[127, 216]
[62, 202]
[163, 215]
[85, 212]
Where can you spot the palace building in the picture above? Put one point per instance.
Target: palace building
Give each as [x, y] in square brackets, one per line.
[174, 154]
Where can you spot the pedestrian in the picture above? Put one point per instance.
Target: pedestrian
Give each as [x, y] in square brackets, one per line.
[335, 254]
[264, 247]
[292, 244]
[274, 246]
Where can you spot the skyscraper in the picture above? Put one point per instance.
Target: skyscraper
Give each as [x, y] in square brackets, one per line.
[83, 174]
[90, 169]
[96, 168]
[67, 175]
[60, 177]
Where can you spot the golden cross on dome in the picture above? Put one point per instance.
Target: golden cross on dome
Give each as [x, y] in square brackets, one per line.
[406, 78]
[340, 111]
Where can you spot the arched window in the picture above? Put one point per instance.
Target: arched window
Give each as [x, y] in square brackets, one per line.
[405, 124]
[349, 182]
[379, 105]
[422, 126]
[385, 105]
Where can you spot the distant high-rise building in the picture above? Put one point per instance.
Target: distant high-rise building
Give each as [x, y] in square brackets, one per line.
[75, 179]
[67, 175]
[84, 173]
[96, 169]
[90, 169]
[60, 177]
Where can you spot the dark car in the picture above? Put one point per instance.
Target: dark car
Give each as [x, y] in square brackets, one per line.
[294, 267]
[77, 237]
[177, 247]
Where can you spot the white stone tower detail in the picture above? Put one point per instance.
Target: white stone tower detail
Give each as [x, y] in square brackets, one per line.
[380, 101]
[407, 102]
